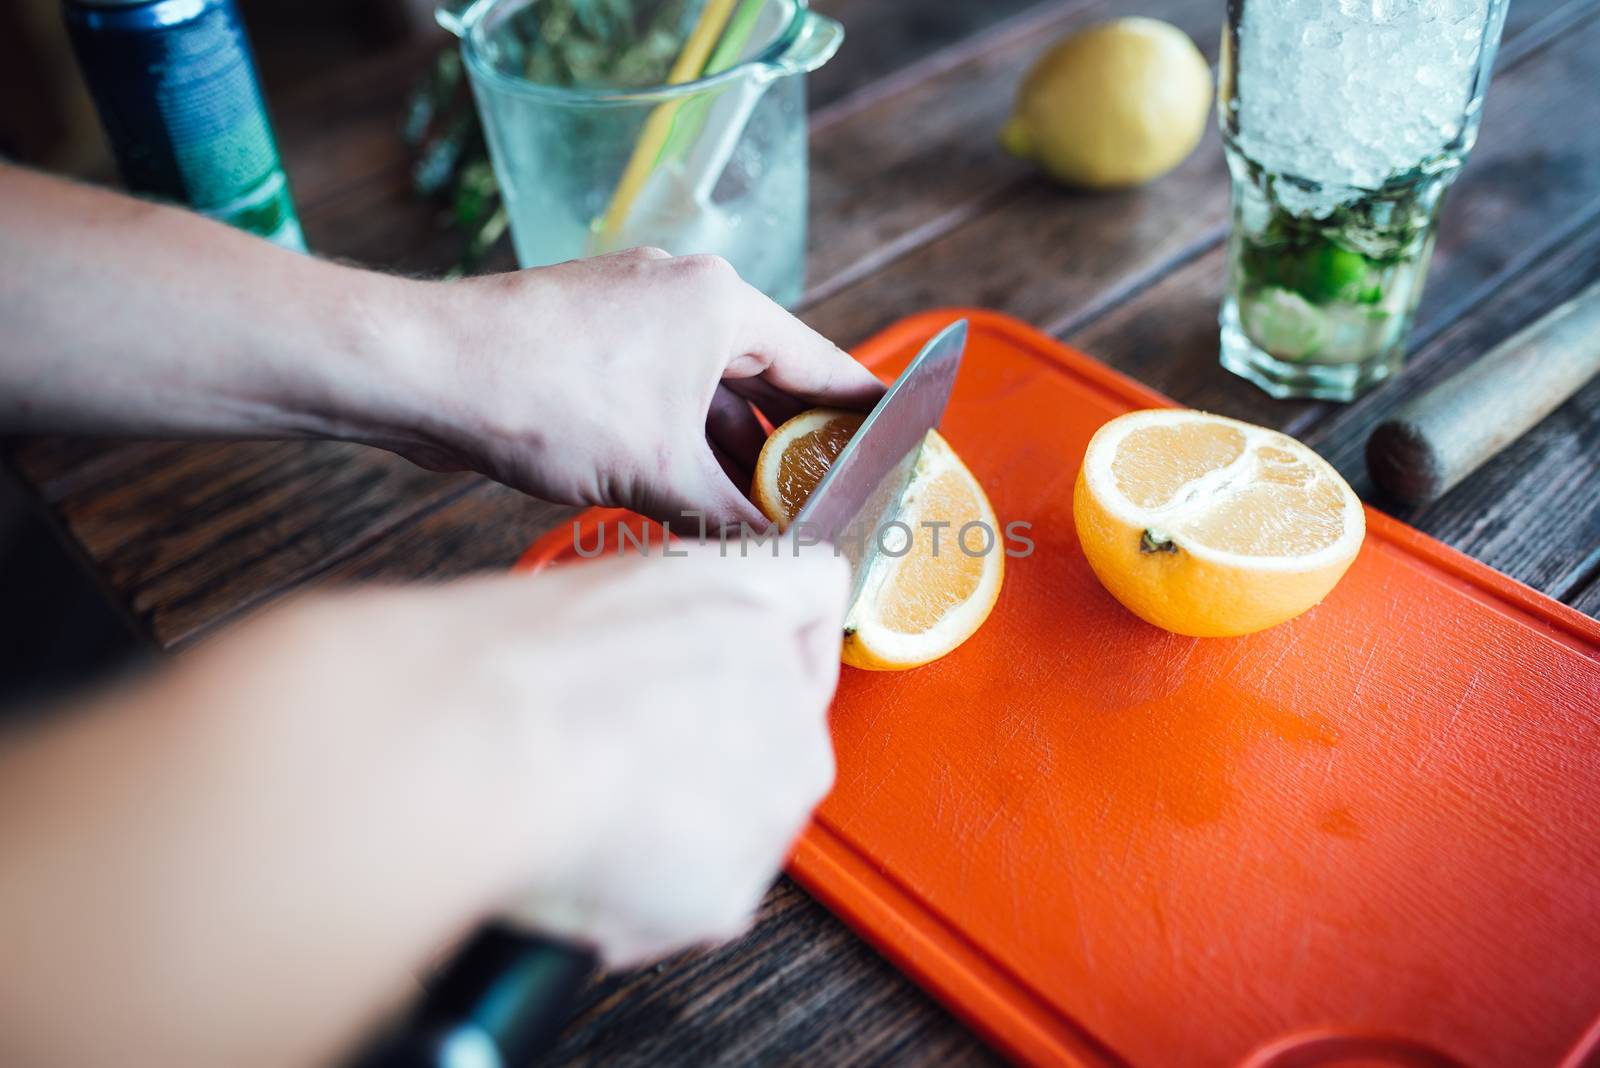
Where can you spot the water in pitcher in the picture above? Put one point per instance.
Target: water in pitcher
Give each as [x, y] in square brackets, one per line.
[753, 213]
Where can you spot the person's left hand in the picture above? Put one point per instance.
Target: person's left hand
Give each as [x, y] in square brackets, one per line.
[625, 379]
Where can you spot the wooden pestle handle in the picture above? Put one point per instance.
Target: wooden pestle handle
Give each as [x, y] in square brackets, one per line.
[1434, 441]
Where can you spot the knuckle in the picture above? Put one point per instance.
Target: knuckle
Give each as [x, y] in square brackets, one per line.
[708, 265]
[648, 252]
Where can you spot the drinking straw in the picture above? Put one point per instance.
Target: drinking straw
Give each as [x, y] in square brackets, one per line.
[689, 120]
[687, 67]
[731, 48]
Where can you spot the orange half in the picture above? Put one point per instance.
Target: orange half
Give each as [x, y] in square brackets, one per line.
[940, 564]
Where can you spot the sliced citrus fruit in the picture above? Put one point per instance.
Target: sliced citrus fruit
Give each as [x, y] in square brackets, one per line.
[941, 562]
[1210, 527]
[796, 456]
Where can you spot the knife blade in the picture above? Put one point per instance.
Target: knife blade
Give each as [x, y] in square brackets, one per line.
[859, 494]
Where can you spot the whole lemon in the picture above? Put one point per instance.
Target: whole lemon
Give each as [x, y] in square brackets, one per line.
[1112, 106]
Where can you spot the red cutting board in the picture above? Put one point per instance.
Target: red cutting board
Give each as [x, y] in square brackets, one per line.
[1368, 836]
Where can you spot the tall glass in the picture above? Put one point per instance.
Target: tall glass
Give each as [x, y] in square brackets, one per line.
[1344, 122]
[589, 164]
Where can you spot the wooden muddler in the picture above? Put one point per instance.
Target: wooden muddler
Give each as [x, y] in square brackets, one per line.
[1436, 440]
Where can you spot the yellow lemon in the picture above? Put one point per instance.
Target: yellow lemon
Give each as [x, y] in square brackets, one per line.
[1113, 105]
[1211, 527]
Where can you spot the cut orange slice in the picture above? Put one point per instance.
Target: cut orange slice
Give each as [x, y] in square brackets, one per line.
[1210, 527]
[940, 570]
[796, 456]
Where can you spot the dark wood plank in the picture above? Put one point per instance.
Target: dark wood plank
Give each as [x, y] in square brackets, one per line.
[342, 127]
[298, 39]
[56, 464]
[381, 222]
[883, 37]
[485, 529]
[191, 534]
[1587, 599]
[893, 172]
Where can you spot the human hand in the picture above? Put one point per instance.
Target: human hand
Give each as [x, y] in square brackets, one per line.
[625, 379]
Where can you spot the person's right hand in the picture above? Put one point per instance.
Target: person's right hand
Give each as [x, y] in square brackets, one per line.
[626, 379]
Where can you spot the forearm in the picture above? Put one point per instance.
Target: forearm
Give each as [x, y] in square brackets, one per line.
[123, 317]
[185, 882]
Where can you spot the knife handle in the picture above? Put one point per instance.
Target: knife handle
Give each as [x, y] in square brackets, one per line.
[499, 1003]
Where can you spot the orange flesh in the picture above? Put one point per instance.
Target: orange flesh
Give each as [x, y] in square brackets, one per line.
[1284, 510]
[806, 459]
[1272, 521]
[1153, 463]
[927, 585]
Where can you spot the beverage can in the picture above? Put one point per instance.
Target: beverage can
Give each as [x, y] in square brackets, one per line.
[175, 84]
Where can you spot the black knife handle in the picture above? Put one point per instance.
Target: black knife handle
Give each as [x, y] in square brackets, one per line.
[499, 1003]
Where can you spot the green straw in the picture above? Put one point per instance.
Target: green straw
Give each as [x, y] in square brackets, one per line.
[691, 118]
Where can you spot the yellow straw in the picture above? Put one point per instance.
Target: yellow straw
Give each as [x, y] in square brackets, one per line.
[690, 62]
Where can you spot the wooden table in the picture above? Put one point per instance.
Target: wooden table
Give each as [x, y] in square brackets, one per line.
[913, 206]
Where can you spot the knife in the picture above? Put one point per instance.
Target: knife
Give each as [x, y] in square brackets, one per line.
[861, 491]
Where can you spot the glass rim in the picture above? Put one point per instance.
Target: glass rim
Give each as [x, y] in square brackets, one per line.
[473, 46]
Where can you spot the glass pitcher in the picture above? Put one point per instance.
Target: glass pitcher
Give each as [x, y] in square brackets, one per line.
[691, 138]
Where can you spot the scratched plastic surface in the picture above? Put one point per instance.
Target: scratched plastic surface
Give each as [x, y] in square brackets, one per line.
[1369, 836]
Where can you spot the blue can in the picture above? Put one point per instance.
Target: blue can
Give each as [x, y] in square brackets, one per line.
[176, 88]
